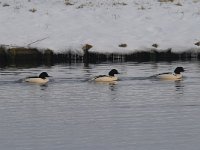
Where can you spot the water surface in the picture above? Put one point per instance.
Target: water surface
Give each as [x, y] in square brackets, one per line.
[72, 113]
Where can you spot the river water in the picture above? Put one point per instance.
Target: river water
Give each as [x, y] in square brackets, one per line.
[72, 113]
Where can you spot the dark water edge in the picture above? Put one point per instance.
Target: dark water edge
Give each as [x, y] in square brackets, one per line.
[33, 57]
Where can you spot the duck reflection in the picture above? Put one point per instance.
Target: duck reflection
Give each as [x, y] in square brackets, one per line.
[179, 87]
[113, 85]
[110, 83]
[43, 86]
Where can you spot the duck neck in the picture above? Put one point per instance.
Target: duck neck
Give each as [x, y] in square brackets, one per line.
[42, 77]
[177, 73]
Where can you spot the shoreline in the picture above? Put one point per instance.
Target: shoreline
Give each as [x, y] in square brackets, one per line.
[22, 55]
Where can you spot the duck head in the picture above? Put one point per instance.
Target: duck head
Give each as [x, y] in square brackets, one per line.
[113, 72]
[43, 75]
[178, 70]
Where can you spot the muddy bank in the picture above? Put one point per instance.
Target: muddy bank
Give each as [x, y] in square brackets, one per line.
[21, 55]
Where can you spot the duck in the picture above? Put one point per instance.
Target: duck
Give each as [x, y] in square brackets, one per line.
[176, 75]
[107, 78]
[41, 79]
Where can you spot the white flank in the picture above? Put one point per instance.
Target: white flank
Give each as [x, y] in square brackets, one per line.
[37, 80]
[170, 76]
[106, 79]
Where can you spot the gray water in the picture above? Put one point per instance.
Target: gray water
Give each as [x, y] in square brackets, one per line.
[71, 113]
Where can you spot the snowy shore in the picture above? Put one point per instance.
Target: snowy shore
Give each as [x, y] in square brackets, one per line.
[63, 25]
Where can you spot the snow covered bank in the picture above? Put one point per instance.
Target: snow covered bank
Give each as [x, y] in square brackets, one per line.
[33, 57]
[62, 25]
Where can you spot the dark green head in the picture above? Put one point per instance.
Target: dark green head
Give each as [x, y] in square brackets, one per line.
[113, 72]
[178, 70]
[43, 75]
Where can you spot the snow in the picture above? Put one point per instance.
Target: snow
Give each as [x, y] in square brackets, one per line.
[105, 24]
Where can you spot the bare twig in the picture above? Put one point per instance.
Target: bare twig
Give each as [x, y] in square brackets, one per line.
[37, 41]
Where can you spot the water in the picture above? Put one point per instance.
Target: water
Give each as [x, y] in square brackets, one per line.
[71, 113]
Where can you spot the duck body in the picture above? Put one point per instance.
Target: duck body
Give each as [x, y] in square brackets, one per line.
[107, 78]
[41, 79]
[171, 76]
[37, 80]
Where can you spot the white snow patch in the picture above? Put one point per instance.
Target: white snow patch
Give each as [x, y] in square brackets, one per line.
[105, 24]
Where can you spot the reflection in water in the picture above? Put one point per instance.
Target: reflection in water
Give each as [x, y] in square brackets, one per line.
[114, 91]
[154, 65]
[43, 86]
[179, 86]
[113, 86]
[104, 83]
